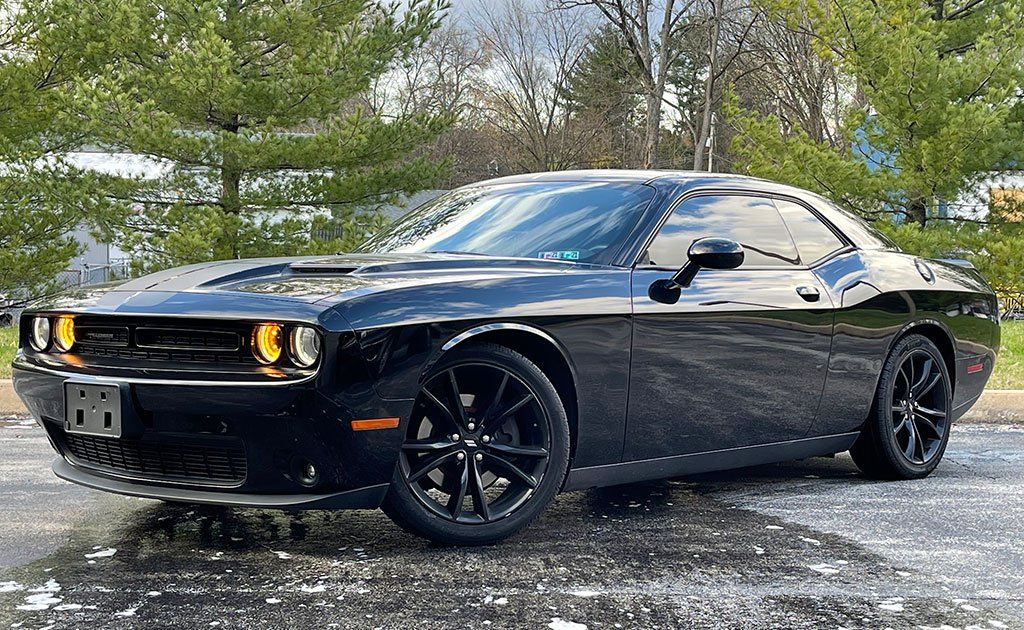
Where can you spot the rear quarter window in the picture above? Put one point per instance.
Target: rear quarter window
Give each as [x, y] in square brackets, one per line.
[859, 231]
[814, 240]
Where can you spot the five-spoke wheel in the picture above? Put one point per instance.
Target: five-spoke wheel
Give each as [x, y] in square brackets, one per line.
[485, 449]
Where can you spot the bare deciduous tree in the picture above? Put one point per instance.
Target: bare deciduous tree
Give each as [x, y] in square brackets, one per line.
[531, 57]
[649, 28]
[794, 82]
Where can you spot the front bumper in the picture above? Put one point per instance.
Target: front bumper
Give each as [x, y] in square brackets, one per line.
[368, 497]
[229, 444]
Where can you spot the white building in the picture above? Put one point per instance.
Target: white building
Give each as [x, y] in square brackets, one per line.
[974, 203]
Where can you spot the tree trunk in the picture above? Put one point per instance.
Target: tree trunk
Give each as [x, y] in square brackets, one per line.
[709, 90]
[652, 133]
[231, 203]
[230, 197]
[917, 211]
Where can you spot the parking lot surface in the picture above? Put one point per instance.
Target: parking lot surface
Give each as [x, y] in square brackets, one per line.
[804, 544]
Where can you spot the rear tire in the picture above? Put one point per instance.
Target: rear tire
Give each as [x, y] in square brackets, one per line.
[908, 429]
[488, 431]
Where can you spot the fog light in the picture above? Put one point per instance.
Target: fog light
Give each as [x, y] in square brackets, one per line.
[309, 474]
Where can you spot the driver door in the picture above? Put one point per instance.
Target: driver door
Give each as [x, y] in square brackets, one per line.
[740, 358]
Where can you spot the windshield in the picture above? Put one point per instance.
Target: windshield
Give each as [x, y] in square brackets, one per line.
[577, 221]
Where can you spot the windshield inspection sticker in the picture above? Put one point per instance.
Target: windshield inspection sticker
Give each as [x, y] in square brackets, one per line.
[570, 254]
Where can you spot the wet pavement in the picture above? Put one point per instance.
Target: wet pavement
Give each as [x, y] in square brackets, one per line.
[806, 544]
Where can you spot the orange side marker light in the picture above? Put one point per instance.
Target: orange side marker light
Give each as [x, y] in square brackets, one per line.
[372, 424]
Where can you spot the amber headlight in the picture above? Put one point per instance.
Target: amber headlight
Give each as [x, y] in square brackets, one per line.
[64, 333]
[39, 339]
[267, 342]
[303, 346]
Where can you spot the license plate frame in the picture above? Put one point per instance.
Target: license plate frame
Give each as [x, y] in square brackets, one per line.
[93, 409]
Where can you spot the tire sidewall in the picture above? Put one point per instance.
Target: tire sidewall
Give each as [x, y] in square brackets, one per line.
[403, 506]
[885, 437]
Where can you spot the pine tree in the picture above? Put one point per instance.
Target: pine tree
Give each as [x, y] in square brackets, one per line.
[249, 106]
[602, 91]
[43, 47]
[936, 104]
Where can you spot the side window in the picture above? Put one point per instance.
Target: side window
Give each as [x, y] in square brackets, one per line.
[813, 238]
[752, 221]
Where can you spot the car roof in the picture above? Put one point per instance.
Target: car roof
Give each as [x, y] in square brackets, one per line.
[687, 179]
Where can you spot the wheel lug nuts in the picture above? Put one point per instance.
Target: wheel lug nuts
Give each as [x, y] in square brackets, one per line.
[472, 426]
[455, 437]
[460, 456]
[478, 456]
[486, 439]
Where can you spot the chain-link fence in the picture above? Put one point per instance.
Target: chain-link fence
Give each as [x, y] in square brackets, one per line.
[94, 274]
[1011, 305]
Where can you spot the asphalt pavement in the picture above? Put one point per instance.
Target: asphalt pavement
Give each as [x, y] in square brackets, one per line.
[808, 544]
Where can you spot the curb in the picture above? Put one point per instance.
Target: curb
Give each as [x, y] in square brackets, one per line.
[996, 406]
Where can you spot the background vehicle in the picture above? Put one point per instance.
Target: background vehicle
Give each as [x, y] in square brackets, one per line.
[512, 339]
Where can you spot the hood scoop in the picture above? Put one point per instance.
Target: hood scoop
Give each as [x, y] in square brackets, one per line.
[362, 264]
[340, 268]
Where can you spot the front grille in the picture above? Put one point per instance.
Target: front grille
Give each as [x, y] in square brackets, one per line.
[102, 335]
[160, 460]
[164, 341]
[165, 355]
[176, 339]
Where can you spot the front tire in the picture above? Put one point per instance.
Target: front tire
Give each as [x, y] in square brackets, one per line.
[486, 449]
[907, 432]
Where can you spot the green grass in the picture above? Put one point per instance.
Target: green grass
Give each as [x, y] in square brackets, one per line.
[1009, 372]
[8, 344]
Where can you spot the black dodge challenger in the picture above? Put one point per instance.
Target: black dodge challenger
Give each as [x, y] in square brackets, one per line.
[512, 339]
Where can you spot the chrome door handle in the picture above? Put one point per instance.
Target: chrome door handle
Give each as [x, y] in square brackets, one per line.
[808, 293]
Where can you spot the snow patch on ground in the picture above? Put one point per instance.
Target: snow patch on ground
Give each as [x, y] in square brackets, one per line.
[585, 593]
[102, 553]
[823, 568]
[892, 605]
[283, 555]
[10, 587]
[557, 623]
[42, 597]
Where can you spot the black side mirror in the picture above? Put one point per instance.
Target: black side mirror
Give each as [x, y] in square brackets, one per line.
[704, 253]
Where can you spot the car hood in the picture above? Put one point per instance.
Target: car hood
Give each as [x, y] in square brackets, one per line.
[331, 278]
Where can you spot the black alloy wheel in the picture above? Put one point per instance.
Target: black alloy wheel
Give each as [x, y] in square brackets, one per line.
[919, 413]
[907, 432]
[485, 450]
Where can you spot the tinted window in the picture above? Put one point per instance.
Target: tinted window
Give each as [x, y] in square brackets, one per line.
[578, 221]
[753, 222]
[813, 239]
